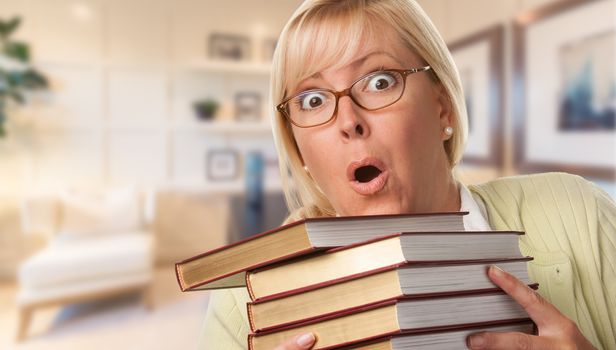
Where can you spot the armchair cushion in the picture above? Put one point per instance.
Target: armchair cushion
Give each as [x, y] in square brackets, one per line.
[67, 261]
[96, 213]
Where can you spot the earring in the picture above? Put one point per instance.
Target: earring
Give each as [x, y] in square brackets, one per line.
[448, 131]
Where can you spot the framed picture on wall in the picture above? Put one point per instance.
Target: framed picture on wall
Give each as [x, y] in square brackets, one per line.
[479, 58]
[248, 106]
[229, 47]
[222, 164]
[565, 89]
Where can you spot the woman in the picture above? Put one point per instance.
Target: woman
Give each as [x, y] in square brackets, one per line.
[370, 119]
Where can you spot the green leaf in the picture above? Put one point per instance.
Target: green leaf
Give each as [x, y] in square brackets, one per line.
[18, 50]
[17, 96]
[4, 83]
[8, 27]
[32, 79]
[2, 121]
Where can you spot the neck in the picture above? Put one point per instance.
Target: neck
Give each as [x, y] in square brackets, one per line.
[444, 193]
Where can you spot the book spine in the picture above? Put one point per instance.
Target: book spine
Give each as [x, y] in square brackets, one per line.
[251, 292]
[251, 319]
[250, 342]
[179, 277]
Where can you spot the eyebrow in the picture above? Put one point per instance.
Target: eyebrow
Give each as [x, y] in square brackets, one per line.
[358, 62]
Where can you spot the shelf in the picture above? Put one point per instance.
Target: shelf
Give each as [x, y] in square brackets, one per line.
[229, 128]
[233, 187]
[232, 67]
[225, 67]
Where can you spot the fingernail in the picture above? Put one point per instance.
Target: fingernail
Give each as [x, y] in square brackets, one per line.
[497, 271]
[305, 340]
[477, 341]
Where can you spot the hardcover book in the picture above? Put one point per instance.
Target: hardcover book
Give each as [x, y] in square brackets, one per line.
[225, 267]
[352, 260]
[397, 316]
[402, 280]
[440, 340]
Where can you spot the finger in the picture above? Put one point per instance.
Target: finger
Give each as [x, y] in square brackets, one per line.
[512, 340]
[299, 342]
[540, 310]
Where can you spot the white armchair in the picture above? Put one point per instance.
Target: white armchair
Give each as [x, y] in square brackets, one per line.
[99, 245]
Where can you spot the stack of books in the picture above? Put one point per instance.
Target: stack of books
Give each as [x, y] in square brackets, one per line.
[369, 282]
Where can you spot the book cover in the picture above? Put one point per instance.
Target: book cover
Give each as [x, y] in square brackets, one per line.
[225, 267]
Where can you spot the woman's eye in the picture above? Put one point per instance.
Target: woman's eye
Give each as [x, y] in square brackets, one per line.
[311, 100]
[380, 82]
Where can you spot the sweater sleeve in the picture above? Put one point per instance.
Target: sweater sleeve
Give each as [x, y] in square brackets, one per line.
[570, 227]
[226, 322]
[606, 227]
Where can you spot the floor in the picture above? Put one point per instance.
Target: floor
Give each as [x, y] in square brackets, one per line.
[118, 323]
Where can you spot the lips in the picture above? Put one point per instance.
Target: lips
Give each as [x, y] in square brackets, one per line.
[367, 176]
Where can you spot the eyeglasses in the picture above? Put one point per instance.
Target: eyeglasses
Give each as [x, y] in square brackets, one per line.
[373, 91]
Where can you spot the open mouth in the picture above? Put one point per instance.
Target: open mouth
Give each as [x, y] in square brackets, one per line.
[367, 176]
[367, 173]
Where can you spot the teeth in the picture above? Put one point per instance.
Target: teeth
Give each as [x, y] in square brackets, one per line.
[366, 173]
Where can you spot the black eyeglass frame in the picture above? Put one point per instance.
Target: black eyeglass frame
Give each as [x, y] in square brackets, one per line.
[282, 106]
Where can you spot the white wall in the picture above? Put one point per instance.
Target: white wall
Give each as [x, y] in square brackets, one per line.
[123, 77]
[123, 81]
[457, 19]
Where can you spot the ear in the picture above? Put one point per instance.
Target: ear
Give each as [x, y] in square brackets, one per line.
[444, 109]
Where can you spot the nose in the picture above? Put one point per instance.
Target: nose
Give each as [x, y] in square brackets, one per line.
[350, 121]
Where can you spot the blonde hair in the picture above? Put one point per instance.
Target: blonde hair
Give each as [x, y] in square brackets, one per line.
[327, 34]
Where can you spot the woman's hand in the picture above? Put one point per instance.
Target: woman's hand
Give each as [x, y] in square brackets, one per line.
[556, 331]
[301, 341]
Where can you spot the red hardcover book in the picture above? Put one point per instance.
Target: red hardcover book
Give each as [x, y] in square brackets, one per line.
[356, 259]
[225, 267]
[438, 340]
[405, 279]
[396, 317]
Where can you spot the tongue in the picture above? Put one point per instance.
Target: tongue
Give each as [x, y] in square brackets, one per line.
[366, 173]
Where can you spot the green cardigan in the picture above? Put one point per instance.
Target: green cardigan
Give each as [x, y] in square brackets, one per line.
[570, 227]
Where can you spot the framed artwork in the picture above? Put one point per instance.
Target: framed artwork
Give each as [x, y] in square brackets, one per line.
[229, 47]
[565, 89]
[479, 58]
[222, 165]
[247, 106]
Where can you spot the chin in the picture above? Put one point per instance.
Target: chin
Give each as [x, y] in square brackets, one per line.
[377, 209]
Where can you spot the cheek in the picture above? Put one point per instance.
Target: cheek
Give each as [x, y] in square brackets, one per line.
[413, 127]
[313, 147]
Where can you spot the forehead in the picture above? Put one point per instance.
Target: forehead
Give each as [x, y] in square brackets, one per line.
[333, 45]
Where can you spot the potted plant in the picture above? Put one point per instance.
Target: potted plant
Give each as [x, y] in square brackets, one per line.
[17, 77]
[206, 108]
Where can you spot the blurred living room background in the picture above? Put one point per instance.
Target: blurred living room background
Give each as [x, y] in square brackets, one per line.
[135, 133]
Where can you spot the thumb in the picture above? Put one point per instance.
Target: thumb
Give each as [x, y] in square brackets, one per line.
[301, 341]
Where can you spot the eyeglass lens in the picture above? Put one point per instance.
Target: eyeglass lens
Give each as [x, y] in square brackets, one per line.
[374, 91]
